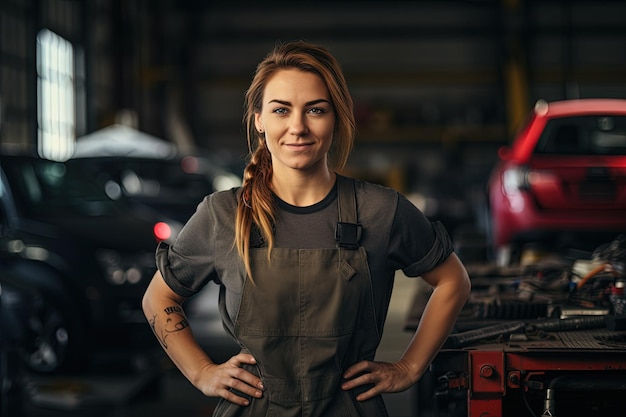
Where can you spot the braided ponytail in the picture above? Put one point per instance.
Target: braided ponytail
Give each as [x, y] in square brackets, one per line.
[256, 203]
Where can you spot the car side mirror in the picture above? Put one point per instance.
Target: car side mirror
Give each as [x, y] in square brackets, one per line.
[504, 152]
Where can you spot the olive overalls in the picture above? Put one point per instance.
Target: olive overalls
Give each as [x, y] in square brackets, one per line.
[307, 317]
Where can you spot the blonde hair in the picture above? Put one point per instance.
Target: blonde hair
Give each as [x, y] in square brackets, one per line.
[256, 201]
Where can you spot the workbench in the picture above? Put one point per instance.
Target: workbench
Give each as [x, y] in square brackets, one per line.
[511, 358]
[566, 374]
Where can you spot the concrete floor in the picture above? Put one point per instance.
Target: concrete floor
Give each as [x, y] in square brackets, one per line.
[134, 396]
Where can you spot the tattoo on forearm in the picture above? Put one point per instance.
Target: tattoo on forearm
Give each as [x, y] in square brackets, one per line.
[175, 322]
[173, 309]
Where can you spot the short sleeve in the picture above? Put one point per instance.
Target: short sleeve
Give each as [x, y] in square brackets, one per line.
[417, 244]
[189, 263]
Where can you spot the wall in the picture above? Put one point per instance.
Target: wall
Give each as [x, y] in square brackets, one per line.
[426, 75]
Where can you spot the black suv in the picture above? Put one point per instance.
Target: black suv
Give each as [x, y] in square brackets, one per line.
[90, 258]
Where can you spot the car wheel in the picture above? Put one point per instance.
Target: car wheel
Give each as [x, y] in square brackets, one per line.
[46, 349]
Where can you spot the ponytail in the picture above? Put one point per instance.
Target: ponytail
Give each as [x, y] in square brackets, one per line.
[256, 203]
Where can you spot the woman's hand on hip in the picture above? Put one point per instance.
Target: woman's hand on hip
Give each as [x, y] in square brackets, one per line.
[386, 377]
[218, 380]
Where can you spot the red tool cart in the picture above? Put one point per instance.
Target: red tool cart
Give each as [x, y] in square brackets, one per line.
[544, 340]
[565, 374]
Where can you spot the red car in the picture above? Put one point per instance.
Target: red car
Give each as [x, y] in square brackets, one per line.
[562, 181]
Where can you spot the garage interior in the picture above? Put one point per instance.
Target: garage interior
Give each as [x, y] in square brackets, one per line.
[438, 86]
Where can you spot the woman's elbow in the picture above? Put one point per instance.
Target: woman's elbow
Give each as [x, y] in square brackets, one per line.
[463, 280]
[465, 285]
[149, 296]
[454, 272]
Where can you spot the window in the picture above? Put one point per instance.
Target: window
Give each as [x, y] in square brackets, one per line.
[584, 135]
[56, 114]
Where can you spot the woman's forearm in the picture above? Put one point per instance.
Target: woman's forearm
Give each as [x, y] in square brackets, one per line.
[166, 317]
[438, 318]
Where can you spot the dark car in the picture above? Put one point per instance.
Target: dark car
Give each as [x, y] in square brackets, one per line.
[562, 181]
[143, 169]
[23, 317]
[90, 258]
[173, 186]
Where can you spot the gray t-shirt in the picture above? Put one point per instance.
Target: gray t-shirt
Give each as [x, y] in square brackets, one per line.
[396, 236]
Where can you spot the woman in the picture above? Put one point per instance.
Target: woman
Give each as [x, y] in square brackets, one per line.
[305, 259]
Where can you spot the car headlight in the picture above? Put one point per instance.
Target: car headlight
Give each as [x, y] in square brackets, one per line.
[515, 179]
[121, 269]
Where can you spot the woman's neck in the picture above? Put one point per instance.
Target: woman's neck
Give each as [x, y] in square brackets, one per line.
[303, 190]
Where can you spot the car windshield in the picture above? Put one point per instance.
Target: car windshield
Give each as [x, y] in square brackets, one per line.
[584, 135]
[44, 188]
[171, 186]
[150, 178]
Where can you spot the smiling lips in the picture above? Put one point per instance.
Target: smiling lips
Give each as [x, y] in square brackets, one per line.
[297, 146]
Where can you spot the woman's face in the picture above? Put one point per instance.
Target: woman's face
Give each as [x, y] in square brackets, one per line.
[298, 121]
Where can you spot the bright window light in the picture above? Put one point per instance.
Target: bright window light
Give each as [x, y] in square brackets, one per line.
[56, 114]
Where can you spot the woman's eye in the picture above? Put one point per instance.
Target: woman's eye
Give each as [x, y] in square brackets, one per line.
[317, 110]
[280, 110]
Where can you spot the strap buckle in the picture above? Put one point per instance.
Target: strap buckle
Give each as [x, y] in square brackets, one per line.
[348, 235]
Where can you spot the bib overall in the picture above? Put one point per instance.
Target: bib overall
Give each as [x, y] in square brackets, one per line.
[307, 317]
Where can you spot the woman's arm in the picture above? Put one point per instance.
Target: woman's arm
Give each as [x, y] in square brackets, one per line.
[164, 312]
[451, 290]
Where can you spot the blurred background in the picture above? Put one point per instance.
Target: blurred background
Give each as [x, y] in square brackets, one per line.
[141, 102]
[438, 85]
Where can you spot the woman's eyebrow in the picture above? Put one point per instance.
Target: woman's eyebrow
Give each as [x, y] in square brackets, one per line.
[318, 101]
[308, 103]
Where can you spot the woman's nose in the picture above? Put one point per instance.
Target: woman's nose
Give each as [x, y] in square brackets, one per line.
[297, 125]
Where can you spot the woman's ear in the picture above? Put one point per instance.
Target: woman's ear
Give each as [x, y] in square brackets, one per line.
[258, 122]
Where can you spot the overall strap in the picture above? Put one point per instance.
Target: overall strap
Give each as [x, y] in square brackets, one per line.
[348, 230]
